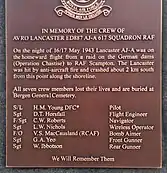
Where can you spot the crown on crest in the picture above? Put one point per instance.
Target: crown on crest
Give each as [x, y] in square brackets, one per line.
[82, 1]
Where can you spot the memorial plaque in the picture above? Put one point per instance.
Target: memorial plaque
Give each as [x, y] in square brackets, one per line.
[84, 83]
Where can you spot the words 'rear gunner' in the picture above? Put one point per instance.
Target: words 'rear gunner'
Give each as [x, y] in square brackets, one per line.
[83, 9]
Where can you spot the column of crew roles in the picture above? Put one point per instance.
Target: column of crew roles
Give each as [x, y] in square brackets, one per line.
[18, 127]
[124, 131]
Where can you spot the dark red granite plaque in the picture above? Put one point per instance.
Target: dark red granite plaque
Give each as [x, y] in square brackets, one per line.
[84, 83]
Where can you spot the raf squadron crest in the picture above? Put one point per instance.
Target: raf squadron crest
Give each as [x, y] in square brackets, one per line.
[83, 9]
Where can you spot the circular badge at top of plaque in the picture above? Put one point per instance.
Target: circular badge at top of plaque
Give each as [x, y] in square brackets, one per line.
[83, 9]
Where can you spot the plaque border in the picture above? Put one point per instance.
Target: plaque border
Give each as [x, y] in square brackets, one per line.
[98, 167]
